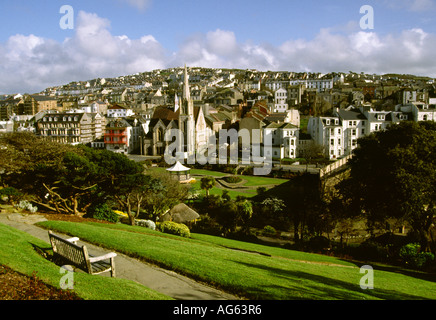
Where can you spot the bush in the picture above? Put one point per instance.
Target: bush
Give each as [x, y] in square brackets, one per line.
[10, 195]
[207, 225]
[26, 205]
[172, 227]
[413, 258]
[103, 212]
[269, 231]
[146, 223]
[232, 179]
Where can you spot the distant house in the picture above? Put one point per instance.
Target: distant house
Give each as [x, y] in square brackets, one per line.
[284, 139]
[118, 111]
[327, 132]
[354, 126]
[122, 135]
[280, 100]
[32, 104]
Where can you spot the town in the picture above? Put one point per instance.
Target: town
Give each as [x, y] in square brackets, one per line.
[296, 113]
[278, 175]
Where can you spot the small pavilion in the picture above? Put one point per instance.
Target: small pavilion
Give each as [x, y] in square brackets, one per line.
[180, 172]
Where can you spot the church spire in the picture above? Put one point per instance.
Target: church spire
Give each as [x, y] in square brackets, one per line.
[186, 92]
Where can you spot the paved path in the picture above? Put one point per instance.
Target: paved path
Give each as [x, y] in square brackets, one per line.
[164, 281]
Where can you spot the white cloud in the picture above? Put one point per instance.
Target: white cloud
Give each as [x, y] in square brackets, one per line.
[30, 63]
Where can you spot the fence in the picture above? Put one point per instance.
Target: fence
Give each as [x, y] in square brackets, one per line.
[334, 166]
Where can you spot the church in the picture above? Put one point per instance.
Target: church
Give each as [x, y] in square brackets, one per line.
[187, 119]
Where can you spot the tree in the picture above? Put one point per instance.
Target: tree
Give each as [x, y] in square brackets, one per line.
[207, 183]
[162, 193]
[393, 174]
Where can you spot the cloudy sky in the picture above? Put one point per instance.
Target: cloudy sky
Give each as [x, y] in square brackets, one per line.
[119, 37]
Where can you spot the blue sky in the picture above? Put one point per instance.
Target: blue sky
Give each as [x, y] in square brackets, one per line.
[118, 37]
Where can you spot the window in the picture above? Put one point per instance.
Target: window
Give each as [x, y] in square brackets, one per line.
[353, 132]
[339, 141]
[353, 142]
[363, 131]
[332, 142]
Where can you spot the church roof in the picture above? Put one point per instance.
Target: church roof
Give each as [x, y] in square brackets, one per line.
[165, 113]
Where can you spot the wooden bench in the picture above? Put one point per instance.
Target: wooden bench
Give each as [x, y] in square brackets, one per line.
[68, 250]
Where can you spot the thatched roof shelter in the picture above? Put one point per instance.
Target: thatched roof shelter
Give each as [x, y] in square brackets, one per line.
[180, 213]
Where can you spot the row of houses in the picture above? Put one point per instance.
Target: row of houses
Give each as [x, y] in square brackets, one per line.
[338, 134]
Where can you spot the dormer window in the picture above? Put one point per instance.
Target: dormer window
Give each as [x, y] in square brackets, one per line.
[327, 122]
[381, 117]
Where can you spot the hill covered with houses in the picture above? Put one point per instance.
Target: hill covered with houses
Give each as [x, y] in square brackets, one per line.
[294, 112]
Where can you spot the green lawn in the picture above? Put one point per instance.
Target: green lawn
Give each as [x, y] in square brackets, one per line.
[252, 182]
[250, 270]
[18, 250]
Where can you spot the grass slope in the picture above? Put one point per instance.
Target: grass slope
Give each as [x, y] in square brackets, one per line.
[250, 270]
[19, 251]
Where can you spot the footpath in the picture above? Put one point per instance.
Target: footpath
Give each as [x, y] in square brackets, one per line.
[167, 282]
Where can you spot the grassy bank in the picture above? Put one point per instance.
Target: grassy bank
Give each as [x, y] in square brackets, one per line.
[250, 270]
[19, 251]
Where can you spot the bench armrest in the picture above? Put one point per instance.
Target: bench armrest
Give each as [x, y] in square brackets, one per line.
[73, 240]
[106, 256]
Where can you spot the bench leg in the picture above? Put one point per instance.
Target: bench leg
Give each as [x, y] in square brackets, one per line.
[113, 267]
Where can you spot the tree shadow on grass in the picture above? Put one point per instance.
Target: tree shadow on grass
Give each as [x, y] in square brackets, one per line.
[308, 286]
[422, 275]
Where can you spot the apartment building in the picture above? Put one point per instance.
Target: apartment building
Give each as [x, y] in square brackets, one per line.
[71, 128]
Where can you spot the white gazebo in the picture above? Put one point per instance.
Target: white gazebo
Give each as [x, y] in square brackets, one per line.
[181, 172]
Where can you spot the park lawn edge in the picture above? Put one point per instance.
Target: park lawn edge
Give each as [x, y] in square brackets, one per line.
[19, 251]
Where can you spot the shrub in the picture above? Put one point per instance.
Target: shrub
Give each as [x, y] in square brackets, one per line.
[26, 205]
[103, 212]
[146, 223]
[232, 179]
[172, 227]
[269, 231]
[10, 194]
[207, 225]
[412, 257]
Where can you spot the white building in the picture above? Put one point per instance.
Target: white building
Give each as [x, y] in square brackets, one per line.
[319, 84]
[117, 111]
[280, 101]
[354, 126]
[284, 139]
[327, 132]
